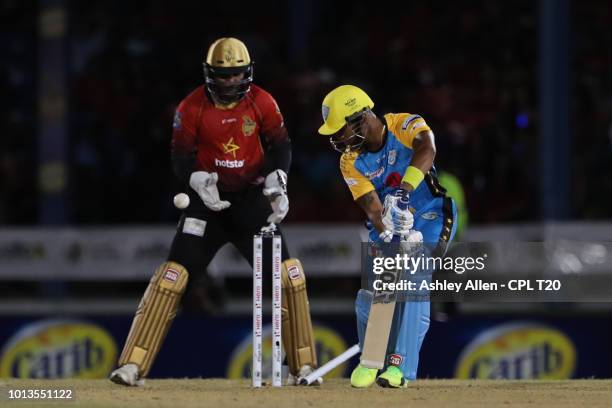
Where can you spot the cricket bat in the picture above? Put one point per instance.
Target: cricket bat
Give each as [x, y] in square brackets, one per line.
[380, 318]
[379, 324]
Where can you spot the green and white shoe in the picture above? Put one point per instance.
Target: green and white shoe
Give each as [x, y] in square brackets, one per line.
[363, 377]
[392, 378]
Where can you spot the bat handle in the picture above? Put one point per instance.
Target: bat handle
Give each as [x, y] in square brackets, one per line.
[403, 198]
[402, 204]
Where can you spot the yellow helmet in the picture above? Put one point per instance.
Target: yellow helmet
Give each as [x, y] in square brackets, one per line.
[227, 57]
[340, 104]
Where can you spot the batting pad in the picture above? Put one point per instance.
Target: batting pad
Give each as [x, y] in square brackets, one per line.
[298, 337]
[154, 316]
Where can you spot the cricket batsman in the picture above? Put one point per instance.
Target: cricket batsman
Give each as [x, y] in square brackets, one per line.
[231, 149]
[389, 160]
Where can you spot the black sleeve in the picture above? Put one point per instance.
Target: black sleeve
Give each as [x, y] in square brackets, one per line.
[278, 156]
[182, 164]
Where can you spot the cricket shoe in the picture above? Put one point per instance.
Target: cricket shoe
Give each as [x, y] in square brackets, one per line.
[300, 378]
[392, 378]
[127, 375]
[363, 377]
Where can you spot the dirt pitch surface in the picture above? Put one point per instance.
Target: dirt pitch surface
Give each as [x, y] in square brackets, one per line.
[334, 393]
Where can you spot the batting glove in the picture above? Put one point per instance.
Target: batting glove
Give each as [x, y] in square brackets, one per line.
[395, 218]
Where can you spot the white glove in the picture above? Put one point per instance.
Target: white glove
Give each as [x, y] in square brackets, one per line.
[275, 188]
[205, 184]
[395, 219]
[386, 236]
[411, 241]
[411, 237]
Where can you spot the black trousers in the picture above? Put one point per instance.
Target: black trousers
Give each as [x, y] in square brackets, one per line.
[201, 232]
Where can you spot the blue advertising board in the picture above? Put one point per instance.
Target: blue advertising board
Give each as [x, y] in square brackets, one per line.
[464, 347]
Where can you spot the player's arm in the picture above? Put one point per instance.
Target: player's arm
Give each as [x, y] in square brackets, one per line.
[414, 133]
[424, 152]
[274, 134]
[363, 191]
[183, 148]
[371, 205]
[277, 156]
[182, 164]
[183, 156]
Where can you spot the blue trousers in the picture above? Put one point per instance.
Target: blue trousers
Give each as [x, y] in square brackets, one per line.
[437, 223]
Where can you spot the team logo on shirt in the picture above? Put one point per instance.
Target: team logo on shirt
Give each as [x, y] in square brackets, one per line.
[408, 120]
[350, 181]
[230, 147]
[394, 179]
[376, 173]
[248, 125]
[392, 157]
[230, 164]
[429, 216]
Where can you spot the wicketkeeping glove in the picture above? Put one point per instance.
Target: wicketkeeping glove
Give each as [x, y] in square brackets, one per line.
[205, 184]
[275, 188]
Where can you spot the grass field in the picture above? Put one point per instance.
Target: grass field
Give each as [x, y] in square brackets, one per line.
[178, 393]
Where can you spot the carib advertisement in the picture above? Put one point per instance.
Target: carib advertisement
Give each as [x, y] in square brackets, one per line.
[463, 347]
[51, 348]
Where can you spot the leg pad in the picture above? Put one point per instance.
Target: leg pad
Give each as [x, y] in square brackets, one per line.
[154, 316]
[298, 337]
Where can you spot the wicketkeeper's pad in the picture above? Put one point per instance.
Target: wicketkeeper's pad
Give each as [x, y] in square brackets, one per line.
[154, 316]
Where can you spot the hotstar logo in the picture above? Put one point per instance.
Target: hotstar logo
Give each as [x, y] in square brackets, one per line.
[230, 147]
[230, 164]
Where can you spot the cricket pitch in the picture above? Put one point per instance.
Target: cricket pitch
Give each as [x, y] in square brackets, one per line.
[177, 393]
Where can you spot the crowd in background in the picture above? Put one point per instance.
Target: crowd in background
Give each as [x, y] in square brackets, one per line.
[470, 69]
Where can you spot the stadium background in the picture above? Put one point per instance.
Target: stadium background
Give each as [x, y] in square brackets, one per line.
[519, 95]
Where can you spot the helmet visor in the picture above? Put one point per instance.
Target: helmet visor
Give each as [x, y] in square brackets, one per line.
[219, 84]
[351, 137]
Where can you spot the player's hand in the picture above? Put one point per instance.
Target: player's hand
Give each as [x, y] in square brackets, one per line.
[275, 188]
[205, 184]
[412, 242]
[385, 237]
[396, 219]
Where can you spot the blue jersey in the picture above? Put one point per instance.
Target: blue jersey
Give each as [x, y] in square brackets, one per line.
[383, 170]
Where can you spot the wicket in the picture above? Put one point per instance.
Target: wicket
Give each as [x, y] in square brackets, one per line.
[256, 372]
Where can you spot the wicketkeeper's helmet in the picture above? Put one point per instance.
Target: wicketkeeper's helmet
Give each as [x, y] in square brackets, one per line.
[228, 57]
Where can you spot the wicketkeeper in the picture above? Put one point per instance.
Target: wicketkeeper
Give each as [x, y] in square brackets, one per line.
[231, 148]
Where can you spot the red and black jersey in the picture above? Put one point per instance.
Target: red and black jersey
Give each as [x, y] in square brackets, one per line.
[230, 141]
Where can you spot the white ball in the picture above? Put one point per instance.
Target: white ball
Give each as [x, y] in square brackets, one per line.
[181, 200]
